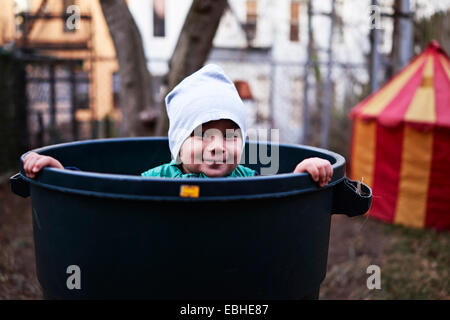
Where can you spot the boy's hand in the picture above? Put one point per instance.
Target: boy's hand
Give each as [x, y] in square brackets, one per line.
[34, 162]
[320, 169]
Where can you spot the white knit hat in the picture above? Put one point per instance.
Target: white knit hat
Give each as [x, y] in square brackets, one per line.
[205, 95]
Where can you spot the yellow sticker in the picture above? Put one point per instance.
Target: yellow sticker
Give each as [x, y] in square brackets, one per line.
[189, 191]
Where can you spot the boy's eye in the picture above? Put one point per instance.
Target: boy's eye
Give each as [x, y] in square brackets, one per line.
[198, 134]
[207, 134]
[231, 136]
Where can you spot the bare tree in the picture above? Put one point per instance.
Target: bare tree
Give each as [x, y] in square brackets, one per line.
[402, 37]
[136, 86]
[193, 46]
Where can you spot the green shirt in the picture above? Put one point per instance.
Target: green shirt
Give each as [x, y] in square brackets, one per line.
[172, 170]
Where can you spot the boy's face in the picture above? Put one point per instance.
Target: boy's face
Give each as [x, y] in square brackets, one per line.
[214, 148]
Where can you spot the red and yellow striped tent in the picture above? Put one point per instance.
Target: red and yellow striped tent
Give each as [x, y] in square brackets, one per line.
[401, 144]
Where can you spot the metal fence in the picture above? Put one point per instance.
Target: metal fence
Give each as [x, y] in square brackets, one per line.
[277, 95]
[56, 89]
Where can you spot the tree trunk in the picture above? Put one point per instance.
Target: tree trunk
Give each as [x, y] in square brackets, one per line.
[402, 37]
[135, 80]
[193, 46]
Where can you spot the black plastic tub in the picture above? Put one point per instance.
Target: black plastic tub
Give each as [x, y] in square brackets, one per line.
[263, 237]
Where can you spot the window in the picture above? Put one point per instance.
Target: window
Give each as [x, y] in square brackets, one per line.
[294, 21]
[296, 100]
[66, 4]
[252, 17]
[82, 90]
[243, 89]
[116, 90]
[159, 18]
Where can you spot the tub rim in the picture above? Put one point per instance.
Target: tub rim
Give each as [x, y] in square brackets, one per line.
[167, 189]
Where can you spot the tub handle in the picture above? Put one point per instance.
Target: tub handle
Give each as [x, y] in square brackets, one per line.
[351, 197]
[19, 186]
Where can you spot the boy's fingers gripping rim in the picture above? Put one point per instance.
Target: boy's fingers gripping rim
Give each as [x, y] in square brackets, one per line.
[36, 160]
[29, 162]
[322, 174]
[313, 171]
[330, 172]
[41, 162]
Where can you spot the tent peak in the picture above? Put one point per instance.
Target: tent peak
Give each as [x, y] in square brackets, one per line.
[435, 46]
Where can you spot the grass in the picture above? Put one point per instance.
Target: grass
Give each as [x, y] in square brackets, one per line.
[416, 264]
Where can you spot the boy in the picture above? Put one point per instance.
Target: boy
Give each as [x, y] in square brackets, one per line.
[206, 134]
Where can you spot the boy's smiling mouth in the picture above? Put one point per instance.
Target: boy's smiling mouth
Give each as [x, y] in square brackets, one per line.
[214, 162]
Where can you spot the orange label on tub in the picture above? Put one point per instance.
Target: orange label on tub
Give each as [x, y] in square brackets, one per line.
[189, 191]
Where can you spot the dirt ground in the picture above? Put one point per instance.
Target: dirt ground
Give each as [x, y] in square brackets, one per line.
[17, 265]
[355, 244]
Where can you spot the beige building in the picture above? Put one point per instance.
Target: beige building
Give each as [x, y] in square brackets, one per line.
[47, 28]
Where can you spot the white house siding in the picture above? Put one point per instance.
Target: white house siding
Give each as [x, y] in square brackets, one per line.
[278, 80]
